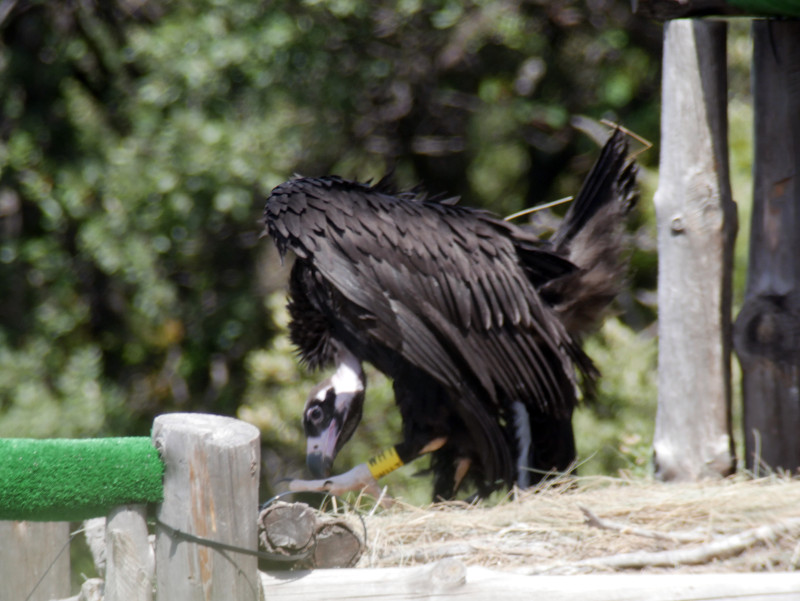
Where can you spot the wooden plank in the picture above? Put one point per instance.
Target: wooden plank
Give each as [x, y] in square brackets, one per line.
[696, 221]
[449, 579]
[34, 560]
[210, 491]
[768, 327]
[130, 563]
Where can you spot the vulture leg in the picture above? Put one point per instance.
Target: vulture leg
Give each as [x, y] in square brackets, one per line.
[358, 479]
[364, 476]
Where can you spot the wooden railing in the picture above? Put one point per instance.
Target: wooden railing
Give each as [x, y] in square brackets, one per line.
[210, 491]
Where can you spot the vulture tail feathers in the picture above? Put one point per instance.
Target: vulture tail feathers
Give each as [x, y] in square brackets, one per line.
[592, 236]
[610, 181]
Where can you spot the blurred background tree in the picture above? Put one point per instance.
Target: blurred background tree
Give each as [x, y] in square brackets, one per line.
[138, 140]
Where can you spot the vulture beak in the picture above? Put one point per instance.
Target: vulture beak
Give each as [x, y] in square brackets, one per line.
[331, 415]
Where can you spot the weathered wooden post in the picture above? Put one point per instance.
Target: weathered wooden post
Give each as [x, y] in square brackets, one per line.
[210, 491]
[130, 564]
[768, 327]
[34, 560]
[696, 230]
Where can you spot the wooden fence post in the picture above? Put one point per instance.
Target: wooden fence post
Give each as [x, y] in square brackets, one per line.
[130, 563]
[696, 220]
[211, 491]
[767, 329]
[31, 552]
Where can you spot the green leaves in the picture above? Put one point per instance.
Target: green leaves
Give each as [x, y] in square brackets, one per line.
[136, 147]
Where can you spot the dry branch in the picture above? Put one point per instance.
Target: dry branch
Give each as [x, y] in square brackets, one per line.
[683, 537]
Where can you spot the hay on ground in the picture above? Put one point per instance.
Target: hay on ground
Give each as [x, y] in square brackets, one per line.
[737, 524]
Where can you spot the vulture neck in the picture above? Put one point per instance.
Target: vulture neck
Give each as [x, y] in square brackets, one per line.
[348, 379]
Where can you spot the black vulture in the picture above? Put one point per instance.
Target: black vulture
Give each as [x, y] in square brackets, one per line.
[477, 321]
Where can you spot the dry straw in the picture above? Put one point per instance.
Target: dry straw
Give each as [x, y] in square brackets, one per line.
[602, 524]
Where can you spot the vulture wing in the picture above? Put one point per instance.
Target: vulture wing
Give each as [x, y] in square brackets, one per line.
[478, 305]
[451, 289]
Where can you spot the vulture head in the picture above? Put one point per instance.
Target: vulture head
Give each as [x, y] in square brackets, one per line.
[332, 412]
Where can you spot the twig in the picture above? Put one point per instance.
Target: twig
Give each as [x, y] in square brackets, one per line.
[537, 208]
[647, 144]
[384, 500]
[680, 537]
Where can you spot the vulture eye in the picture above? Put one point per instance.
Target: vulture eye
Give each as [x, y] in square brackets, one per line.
[314, 415]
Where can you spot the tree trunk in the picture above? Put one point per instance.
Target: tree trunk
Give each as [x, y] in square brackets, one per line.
[768, 327]
[696, 220]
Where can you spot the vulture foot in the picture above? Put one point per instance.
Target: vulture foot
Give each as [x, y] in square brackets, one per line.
[358, 479]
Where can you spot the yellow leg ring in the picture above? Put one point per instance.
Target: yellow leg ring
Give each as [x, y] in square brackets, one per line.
[384, 462]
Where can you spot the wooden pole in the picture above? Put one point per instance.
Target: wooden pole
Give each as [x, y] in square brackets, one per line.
[130, 564]
[34, 560]
[768, 327]
[210, 491]
[696, 220]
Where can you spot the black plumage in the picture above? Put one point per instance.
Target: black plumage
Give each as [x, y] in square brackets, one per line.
[475, 320]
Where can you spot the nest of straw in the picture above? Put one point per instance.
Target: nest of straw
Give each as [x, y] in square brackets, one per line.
[602, 524]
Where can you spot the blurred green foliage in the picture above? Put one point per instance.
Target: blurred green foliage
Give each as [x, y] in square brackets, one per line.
[616, 433]
[137, 142]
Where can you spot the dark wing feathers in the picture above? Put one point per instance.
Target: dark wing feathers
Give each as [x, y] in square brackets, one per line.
[599, 187]
[458, 268]
[468, 299]
[592, 237]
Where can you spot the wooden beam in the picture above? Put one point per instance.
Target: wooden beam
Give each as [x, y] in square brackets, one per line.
[450, 579]
[696, 221]
[768, 326]
[210, 491]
